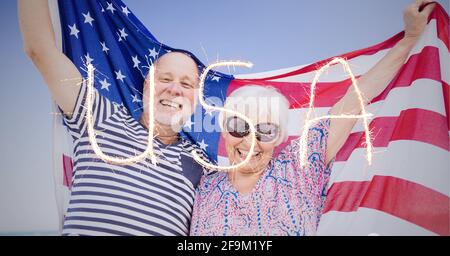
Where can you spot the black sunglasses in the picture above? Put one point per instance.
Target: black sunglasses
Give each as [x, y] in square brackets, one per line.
[265, 132]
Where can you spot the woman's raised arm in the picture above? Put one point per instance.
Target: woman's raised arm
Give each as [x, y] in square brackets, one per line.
[376, 79]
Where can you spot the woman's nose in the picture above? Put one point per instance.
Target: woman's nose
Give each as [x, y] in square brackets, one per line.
[248, 141]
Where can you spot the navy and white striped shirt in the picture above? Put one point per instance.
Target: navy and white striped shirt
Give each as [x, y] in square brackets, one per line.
[136, 199]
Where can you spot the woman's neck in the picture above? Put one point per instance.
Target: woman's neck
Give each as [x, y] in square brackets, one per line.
[244, 182]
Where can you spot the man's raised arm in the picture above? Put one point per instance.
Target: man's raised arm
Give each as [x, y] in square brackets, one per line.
[60, 74]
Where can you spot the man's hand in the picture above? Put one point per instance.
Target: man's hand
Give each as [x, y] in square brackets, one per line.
[416, 20]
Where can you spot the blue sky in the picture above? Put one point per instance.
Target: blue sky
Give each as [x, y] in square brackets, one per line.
[271, 34]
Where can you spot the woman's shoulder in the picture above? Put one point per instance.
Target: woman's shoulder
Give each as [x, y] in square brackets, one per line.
[289, 154]
[211, 180]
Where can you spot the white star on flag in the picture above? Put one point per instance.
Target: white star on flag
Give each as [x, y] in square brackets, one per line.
[136, 62]
[74, 31]
[153, 53]
[119, 75]
[88, 18]
[119, 105]
[136, 99]
[89, 60]
[215, 78]
[110, 7]
[104, 48]
[203, 145]
[125, 10]
[122, 34]
[188, 124]
[105, 85]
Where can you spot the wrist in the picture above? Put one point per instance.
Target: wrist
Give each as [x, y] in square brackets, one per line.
[410, 39]
[408, 42]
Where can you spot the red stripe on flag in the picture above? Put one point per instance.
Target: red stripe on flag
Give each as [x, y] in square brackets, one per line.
[401, 198]
[422, 65]
[442, 21]
[425, 65]
[68, 170]
[348, 56]
[446, 92]
[412, 124]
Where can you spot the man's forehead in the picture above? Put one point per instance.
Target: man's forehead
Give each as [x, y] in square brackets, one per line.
[175, 63]
[178, 57]
[169, 72]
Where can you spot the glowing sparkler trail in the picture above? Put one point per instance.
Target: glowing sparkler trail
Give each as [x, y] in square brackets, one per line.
[303, 139]
[245, 118]
[364, 115]
[91, 131]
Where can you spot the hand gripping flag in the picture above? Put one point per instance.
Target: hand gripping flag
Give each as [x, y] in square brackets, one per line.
[406, 189]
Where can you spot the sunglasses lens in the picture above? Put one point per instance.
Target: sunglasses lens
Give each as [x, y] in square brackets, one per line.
[267, 132]
[237, 127]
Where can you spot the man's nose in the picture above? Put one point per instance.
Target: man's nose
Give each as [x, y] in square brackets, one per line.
[174, 89]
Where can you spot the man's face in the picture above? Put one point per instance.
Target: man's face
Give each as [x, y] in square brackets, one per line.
[176, 83]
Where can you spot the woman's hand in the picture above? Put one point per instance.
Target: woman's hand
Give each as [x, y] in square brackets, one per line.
[415, 20]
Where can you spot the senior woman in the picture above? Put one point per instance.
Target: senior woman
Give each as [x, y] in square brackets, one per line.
[274, 195]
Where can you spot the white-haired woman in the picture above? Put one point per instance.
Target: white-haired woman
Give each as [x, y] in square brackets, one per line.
[274, 195]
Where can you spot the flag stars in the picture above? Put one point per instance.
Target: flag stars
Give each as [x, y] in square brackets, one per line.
[74, 31]
[110, 7]
[203, 145]
[188, 124]
[119, 75]
[125, 10]
[136, 62]
[122, 34]
[89, 60]
[215, 78]
[88, 18]
[105, 85]
[104, 47]
[136, 99]
[153, 53]
[117, 105]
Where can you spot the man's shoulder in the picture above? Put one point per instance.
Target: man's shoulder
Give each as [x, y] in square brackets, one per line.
[192, 169]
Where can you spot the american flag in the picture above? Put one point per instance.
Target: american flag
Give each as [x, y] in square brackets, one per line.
[406, 189]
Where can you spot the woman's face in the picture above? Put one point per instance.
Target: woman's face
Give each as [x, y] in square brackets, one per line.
[238, 148]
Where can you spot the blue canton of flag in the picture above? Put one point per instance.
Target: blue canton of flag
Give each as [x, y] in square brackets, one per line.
[108, 35]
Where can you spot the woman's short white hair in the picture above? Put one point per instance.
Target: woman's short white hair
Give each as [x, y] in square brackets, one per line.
[256, 100]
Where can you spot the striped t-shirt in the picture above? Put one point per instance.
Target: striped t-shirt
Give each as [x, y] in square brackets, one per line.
[136, 199]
